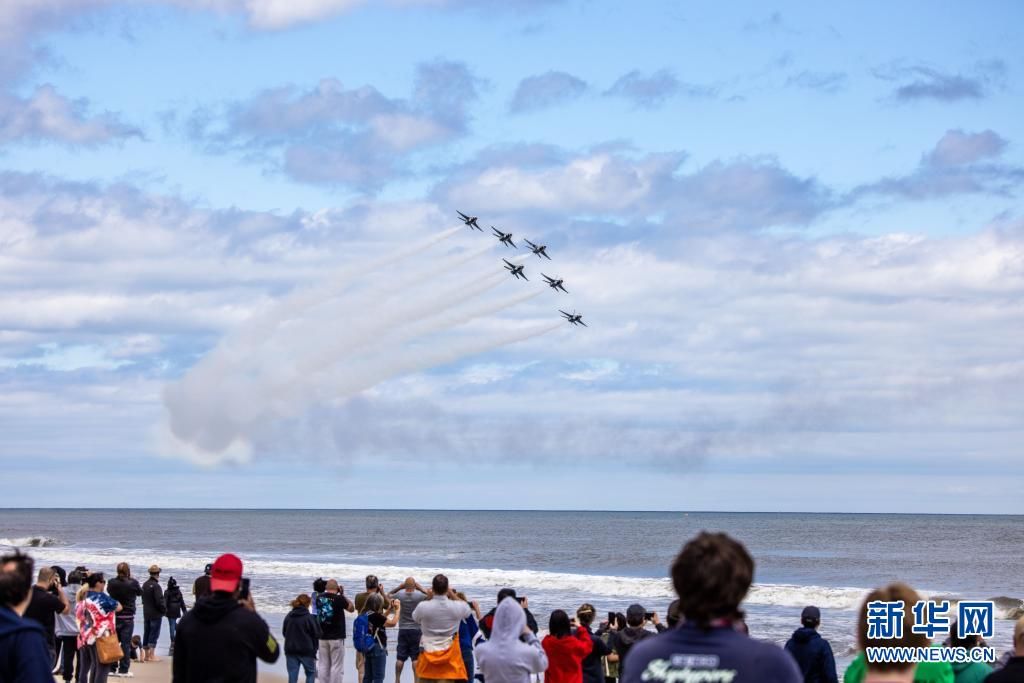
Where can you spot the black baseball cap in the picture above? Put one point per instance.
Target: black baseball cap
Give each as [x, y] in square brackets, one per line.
[636, 614]
[810, 613]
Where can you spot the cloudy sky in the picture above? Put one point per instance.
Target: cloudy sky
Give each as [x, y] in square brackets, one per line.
[795, 231]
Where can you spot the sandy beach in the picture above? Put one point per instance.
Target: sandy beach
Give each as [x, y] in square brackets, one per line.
[160, 672]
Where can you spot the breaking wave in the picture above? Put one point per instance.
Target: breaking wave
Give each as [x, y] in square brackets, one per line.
[30, 542]
[524, 580]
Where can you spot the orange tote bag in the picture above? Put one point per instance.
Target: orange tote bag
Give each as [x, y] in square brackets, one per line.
[443, 664]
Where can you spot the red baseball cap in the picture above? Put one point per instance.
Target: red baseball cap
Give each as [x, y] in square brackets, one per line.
[226, 572]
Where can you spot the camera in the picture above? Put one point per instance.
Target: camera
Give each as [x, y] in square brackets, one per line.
[243, 594]
[648, 616]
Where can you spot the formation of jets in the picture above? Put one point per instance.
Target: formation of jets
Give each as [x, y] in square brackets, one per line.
[516, 271]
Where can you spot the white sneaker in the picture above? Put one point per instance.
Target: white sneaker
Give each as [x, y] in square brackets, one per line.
[127, 674]
[115, 674]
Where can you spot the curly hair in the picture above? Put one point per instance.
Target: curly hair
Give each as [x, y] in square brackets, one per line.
[712, 575]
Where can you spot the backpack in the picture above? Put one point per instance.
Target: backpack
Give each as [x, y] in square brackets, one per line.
[362, 639]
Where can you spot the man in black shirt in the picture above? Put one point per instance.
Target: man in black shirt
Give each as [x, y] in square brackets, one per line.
[331, 606]
[221, 637]
[636, 618]
[201, 586]
[126, 591]
[48, 600]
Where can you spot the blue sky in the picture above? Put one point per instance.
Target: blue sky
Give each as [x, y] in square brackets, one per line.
[796, 232]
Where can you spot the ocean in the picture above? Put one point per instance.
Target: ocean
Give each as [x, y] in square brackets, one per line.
[556, 559]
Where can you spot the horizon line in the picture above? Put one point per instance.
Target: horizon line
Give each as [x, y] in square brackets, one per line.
[559, 510]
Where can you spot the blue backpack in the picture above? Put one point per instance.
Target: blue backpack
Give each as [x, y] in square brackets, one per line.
[362, 639]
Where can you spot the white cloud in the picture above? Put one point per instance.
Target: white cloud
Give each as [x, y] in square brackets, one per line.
[48, 115]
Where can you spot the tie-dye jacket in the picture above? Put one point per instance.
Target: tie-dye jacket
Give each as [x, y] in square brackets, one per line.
[95, 617]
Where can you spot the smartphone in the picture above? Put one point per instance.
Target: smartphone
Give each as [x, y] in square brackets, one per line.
[648, 615]
[611, 617]
[244, 593]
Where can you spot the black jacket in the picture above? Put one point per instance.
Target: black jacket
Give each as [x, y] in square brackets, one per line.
[625, 639]
[125, 591]
[488, 622]
[174, 601]
[219, 640]
[813, 655]
[301, 633]
[593, 671]
[153, 606]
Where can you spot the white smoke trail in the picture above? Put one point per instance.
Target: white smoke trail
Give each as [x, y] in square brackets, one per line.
[334, 340]
[303, 299]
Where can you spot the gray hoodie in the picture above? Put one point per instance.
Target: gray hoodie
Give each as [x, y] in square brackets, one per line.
[505, 658]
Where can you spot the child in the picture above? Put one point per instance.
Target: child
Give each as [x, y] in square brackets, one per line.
[135, 647]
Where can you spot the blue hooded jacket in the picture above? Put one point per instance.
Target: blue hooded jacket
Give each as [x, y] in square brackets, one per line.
[24, 657]
[813, 655]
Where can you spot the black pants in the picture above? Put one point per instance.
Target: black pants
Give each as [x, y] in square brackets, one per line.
[67, 649]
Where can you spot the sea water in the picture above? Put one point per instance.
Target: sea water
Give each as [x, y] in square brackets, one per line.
[557, 559]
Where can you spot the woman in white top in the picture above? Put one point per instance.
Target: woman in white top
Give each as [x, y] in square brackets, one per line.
[513, 653]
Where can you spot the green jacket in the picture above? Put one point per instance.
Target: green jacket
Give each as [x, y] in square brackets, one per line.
[926, 672]
[971, 672]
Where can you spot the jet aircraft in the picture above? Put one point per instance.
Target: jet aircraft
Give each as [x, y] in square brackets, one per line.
[573, 318]
[504, 237]
[469, 220]
[539, 250]
[555, 284]
[517, 271]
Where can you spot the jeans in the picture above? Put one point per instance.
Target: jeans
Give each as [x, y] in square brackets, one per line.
[68, 655]
[151, 631]
[467, 659]
[125, 629]
[331, 665]
[90, 670]
[308, 663]
[172, 627]
[374, 663]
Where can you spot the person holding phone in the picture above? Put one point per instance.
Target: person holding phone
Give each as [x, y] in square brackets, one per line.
[222, 636]
[331, 606]
[636, 620]
[486, 624]
[565, 650]
[48, 600]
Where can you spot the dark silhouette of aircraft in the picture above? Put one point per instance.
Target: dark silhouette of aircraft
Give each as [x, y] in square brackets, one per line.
[469, 220]
[541, 250]
[505, 237]
[555, 284]
[573, 318]
[517, 271]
